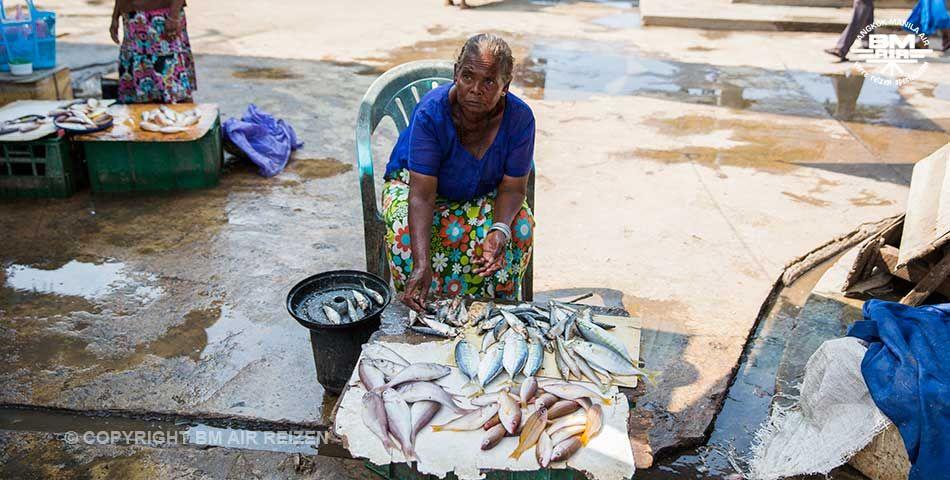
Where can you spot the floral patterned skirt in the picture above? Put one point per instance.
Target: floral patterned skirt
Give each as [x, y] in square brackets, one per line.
[458, 230]
[152, 67]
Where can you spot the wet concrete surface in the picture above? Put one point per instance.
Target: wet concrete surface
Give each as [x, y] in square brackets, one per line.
[721, 170]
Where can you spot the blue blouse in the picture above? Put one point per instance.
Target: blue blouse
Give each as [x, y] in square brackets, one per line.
[430, 146]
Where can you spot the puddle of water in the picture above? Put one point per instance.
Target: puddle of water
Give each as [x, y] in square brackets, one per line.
[749, 398]
[265, 73]
[91, 281]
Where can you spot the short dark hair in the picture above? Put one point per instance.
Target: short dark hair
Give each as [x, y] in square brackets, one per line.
[493, 45]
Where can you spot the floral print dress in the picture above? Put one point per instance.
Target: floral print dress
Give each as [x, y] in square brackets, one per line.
[458, 230]
[152, 67]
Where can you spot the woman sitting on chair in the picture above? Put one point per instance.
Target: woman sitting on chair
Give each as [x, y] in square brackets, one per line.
[454, 199]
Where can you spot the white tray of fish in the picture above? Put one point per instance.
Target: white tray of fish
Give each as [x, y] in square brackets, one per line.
[419, 410]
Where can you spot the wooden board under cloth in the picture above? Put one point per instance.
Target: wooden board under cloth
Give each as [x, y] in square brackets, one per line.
[627, 330]
[126, 124]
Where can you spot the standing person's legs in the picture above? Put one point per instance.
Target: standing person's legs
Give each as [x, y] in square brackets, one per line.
[862, 16]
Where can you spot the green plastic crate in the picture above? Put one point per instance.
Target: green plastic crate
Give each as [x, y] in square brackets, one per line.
[155, 166]
[48, 167]
[401, 471]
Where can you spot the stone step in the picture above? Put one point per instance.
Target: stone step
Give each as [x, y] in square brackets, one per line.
[908, 4]
[726, 15]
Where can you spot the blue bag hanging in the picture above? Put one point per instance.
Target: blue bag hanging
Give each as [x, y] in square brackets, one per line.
[929, 16]
[30, 39]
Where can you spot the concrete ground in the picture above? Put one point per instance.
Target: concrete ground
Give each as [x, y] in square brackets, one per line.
[682, 168]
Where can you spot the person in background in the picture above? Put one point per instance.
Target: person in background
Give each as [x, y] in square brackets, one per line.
[155, 60]
[862, 16]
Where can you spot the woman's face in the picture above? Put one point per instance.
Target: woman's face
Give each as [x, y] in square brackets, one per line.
[478, 84]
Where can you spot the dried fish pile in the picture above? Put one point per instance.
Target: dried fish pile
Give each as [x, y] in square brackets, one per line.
[363, 300]
[26, 123]
[516, 338]
[82, 115]
[166, 120]
[556, 419]
[402, 398]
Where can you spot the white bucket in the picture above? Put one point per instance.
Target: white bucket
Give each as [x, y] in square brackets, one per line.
[21, 68]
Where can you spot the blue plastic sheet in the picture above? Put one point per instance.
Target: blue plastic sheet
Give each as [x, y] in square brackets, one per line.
[907, 370]
[930, 16]
[267, 141]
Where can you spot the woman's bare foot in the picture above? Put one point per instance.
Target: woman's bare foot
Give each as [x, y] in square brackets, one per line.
[835, 52]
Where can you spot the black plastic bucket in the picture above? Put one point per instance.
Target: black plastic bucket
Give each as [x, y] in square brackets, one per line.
[337, 347]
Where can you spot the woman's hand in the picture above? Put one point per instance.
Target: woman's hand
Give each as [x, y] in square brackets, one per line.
[417, 288]
[114, 30]
[493, 254]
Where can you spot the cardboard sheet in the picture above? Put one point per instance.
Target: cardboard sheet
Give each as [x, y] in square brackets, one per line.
[927, 224]
[607, 457]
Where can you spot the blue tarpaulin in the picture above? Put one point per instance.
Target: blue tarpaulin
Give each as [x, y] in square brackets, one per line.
[907, 370]
[267, 141]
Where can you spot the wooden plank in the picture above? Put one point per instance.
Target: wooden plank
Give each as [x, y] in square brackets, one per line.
[929, 283]
[912, 273]
[127, 118]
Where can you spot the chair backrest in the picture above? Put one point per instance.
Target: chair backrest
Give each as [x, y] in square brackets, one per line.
[394, 94]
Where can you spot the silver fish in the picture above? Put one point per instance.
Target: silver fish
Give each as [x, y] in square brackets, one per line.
[361, 300]
[490, 322]
[594, 334]
[566, 432]
[388, 367]
[466, 357]
[447, 330]
[544, 450]
[535, 359]
[534, 335]
[351, 311]
[429, 331]
[568, 358]
[488, 340]
[509, 412]
[419, 372]
[374, 295]
[562, 368]
[393, 356]
[332, 315]
[514, 356]
[374, 417]
[545, 400]
[607, 359]
[500, 329]
[470, 421]
[515, 323]
[399, 420]
[461, 316]
[528, 388]
[421, 413]
[572, 391]
[590, 374]
[565, 449]
[490, 365]
[428, 391]
[370, 376]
